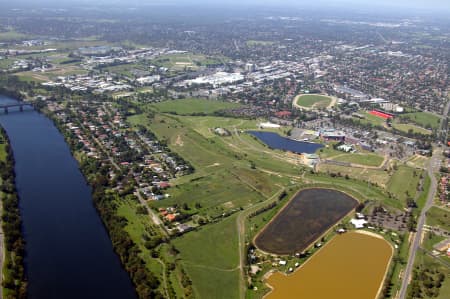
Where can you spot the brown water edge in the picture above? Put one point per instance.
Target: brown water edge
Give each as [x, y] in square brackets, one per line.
[310, 214]
[350, 266]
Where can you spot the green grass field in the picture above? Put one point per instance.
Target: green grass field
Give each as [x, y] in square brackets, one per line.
[357, 188]
[423, 119]
[438, 217]
[210, 256]
[12, 36]
[255, 43]
[404, 182]
[2, 150]
[313, 100]
[178, 62]
[328, 152]
[410, 128]
[360, 158]
[193, 106]
[370, 119]
[379, 177]
[137, 226]
[421, 200]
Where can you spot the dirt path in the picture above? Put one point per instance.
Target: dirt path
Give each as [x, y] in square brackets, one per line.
[164, 277]
[179, 141]
[240, 222]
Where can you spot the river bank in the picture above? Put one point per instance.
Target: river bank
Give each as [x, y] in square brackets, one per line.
[13, 278]
[104, 195]
[65, 257]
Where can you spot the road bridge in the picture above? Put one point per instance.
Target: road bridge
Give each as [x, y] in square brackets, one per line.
[7, 107]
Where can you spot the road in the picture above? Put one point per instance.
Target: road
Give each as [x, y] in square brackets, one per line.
[432, 168]
[152, 214]
[240, 221]
[444, 123]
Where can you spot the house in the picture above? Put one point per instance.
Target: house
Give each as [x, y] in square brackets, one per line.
[171, 217]
[332, 135]
[283, 114]
[358, 223]
[345, 148]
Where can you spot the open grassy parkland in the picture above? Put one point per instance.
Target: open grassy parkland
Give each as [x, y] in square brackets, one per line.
[193, 106]
[313, 101]
[235, 177]
[422, 119]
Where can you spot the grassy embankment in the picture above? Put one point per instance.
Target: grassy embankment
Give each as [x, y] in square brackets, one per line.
[439, 217]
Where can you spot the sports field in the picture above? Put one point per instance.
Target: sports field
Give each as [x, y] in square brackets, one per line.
[370, 119]
[313, 101]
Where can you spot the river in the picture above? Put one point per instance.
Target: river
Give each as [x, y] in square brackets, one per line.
[68, 251]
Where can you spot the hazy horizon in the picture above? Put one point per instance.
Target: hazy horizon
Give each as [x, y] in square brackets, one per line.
[430, 5]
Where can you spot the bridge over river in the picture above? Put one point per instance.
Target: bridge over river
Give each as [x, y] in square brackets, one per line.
[20, 105]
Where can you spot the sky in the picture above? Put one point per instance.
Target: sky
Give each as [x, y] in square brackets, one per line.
[437, 5]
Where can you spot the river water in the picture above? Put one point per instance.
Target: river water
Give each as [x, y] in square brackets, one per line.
[68, 251]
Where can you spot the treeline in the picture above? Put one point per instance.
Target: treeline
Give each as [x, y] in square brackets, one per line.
[146, 283]
[14, 279]
[262, 210]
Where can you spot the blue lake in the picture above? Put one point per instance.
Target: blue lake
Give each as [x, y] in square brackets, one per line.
[276, 141]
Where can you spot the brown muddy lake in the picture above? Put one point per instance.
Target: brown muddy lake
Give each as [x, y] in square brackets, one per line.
[350, 266]
[304, 219]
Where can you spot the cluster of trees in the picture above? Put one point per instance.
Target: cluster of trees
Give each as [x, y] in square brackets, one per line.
[426, 283]
[369, 127]
[262, 210]
[15, 279]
